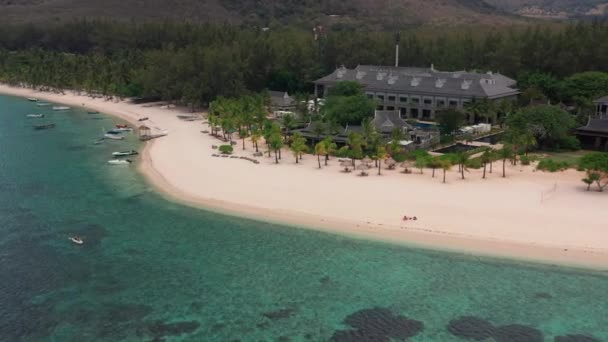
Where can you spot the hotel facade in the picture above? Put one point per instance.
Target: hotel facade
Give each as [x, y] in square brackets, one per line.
[419, 93]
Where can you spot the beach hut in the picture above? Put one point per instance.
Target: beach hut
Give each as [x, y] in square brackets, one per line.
[144, 132]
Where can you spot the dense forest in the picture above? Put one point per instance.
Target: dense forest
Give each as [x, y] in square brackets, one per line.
[196, 63]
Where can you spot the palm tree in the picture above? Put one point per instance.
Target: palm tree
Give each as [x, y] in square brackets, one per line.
[433, 163]
[330, 148]
[446, 165]
[288, 122]
[298, 145]
[256, 135]
[380, 156]
[368, 129]
[462, 159]
[421, 163]
[486, 158]
[505, 153]
[243, 134]
[320, 149]
[319, 129]
[276, 143]
[355, 141]
[592, 177]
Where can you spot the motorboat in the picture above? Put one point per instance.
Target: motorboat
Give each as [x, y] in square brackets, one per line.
[99, 141]
[43, 104]
[47, 126]
[36, 116]
[119, 162]
[122, 128]
[77, 240]
[124, 153]
[59, 108]
[32, 99]
[93, 112]
[113, 136]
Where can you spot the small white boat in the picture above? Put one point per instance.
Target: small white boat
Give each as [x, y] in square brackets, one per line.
[123, 129]
[43, 104]
[99, 141]
[58, 108]
[113, 136]
[35, 115]
[32, 99]
[124, 153]
[119, 162]
[76, 240]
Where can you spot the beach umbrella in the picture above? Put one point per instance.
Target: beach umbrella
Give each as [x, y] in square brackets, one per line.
[363, 167]
[390, 162]
[346, 165]
[406, 165]
[366, 160]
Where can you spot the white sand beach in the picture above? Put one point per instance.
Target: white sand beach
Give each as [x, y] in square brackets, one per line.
[528, 215]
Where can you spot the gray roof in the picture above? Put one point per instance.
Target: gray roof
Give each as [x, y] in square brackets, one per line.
[281, 99]
[425, 81]
[595, 125]
[602, 99]
[386, 120]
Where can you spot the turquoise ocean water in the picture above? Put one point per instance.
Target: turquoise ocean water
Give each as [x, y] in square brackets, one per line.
[153, 270]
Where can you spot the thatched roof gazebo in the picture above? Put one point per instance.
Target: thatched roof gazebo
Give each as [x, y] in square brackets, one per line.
[406, 165]
[366, 160]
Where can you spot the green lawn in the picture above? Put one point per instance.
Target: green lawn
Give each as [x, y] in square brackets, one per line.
[570, 157]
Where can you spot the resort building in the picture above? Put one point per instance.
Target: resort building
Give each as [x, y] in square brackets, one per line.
[595, 133]
[281, 103]
[385, 122]
[419, 93]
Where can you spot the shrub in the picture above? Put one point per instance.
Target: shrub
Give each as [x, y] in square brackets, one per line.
[525, 160]
[400, 157]
[226, 149]
[552, 165]
[569, 143]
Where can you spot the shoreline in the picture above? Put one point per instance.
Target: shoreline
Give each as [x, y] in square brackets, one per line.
[156, 166]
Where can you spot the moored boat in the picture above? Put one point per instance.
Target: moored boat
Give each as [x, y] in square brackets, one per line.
[99, 141]
[119, 162]
[35, 115]
[122, 128]
[59, 108]
[43, 104]
[113, 136]
[77, 240]
[124, 153]
[32, 99]
[93, 112]
[47, 126]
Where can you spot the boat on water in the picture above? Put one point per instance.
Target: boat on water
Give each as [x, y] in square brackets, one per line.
[32, 99]
[99, 141]
[119, 162]
[58, 108]
[113, 136]
[93, 112]
[124, 153]
[43, 104]
[77, 240]
[46, 126]
[122, 128]
[35, 116]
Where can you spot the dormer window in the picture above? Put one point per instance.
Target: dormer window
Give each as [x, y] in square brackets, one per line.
[380, 76]
[415, 82]
[466, 84]
[361, 74]
[439, 83]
